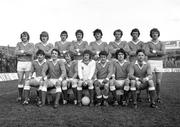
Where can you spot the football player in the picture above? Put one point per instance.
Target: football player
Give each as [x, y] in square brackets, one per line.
[78, 46]
[155, 50]
[44, 45]
[141, 77]
[36, 81]
[63, 46]
[103, 73]
[71, 77]
[53, 73]
[118, 43]
[119, 86]
[24, 52]
[86, 69]
[98, 45]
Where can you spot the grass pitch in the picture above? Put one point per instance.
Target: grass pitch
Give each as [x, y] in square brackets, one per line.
[13, 114]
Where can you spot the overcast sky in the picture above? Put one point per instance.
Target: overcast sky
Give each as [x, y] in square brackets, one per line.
[54, 16]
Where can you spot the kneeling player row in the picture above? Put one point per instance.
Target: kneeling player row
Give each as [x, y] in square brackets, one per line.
[100, 76]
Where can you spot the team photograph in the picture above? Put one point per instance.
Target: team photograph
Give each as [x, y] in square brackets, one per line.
[128, 80]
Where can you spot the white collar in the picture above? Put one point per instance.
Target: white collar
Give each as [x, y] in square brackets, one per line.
[118, 43]
[99, 43]
[44, 44]
[155, 42]
[63, 42]
[25, 43]
[103, 65]
[54, 62]
[79, 43]
[135, 42]
[40, 63]
[121, 64]
[144, 63]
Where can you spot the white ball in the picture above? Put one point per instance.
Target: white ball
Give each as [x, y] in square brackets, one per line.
[85, 100]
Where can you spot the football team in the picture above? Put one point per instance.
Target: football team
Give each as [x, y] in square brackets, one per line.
[111, 73]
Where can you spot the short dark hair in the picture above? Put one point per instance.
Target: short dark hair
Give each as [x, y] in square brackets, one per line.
[87, 52]
[44, 33]
[79, 31]
[56, 50]
[64, 32]
[140, 50]
[97, 31]
[118, 30]
[25, 33]
[135, 30]
[40, 52]
[120, 51]
[103, 53]
[154, 30]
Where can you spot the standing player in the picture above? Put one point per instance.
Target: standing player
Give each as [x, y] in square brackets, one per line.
[155, 51]
[71, 77]
[24, 52]
[86, 69]
[98, 45]
[103, 73]
[44, 45]
[37, 66]
[117, 44]
[56, 73]
[79, 46]
[134, 45]
[141, 77]
[119, 85]
[63, 46]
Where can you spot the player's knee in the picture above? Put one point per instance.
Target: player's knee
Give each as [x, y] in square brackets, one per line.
[111, 82]
[64, 85]
[96, 83]
[133, 85]
[90, 85]
[74, 83]
[106, 86]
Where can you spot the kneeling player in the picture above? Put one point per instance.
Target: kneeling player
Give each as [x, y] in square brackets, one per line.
[71, 78]
[86, 69]
[141, 77]
[103, 73]
[37, 66]
[119, 85]
[55, 69]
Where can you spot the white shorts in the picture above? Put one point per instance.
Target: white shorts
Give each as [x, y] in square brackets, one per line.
[51, 82]
[119, 83]
[156, 65]
[24, 66]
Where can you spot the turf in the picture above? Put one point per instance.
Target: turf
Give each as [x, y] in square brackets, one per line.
[13, 114]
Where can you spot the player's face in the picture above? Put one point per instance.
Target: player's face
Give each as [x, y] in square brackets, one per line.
[135, 35]
[40, 57]
[67, 57]
[54, 55]
[63, 37]
[117, 35]
[155, 35]
[44, 39]
[79, 36]
[98, 36]
[120, 56]
[86, 57]
[103, 58]
[24, 38]
[140, 56]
